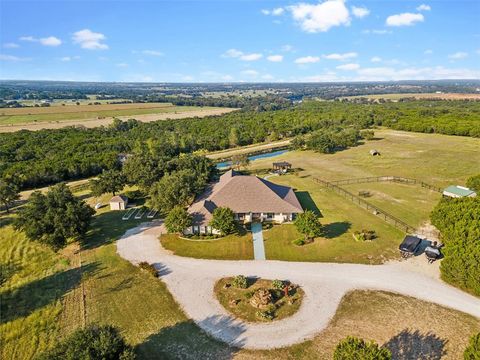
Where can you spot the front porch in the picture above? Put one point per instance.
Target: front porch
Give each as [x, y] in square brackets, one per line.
[278, 218]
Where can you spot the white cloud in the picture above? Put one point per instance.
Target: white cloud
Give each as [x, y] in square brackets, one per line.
[152, 52]
[424, 7]
[252, 73]
[275, 58]
[287, 48]
[458, 55]
[227, 77]
[267, 77]
[28, 38]
[274, 12]
[11, 45]
[122, 65]
[307, 60]
[341, 57]
[66, 58]
[251, 57]
[46, 41]
[320, 17]
[376, 59]
[377, 31]
[234, 53]
[360, 12]
[428, 52]
[5, 57]
[90, 40]
[405, 19]
[51, 41]
[348, 67]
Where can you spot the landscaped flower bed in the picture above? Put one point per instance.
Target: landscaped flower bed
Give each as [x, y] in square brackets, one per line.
[258, 300]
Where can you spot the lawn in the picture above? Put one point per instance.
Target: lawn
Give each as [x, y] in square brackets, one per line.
[231, 247]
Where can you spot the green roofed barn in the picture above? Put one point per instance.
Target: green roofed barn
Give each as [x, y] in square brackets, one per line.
[456, 191]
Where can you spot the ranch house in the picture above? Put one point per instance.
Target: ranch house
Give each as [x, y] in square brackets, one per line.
[251, 198]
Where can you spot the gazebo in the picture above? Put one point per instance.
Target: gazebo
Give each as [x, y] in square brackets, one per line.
[282, 166]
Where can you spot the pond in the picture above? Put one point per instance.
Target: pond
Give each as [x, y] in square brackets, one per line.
[267, 155]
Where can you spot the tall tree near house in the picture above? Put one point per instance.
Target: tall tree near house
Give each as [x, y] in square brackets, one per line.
[177, 220]
[240, 160]
[8, 194]
[109, 181]
[55, 217]
[177, 188]
[223, 220]
[307, 223]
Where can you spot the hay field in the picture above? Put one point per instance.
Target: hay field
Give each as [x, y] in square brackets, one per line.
[52, 118]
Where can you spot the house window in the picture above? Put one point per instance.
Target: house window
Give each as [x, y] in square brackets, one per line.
[270, 216]
[241, 216]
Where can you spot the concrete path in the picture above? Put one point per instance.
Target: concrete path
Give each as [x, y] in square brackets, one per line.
[258, 245]
[191, 282]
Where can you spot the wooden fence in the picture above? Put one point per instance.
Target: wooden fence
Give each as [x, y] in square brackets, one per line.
[395, 179]
[389, 218]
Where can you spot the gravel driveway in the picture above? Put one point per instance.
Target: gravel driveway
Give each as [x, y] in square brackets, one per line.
[191, 282]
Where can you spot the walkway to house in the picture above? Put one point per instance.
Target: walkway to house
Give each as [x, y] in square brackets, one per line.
[191, 282]
[258, 246]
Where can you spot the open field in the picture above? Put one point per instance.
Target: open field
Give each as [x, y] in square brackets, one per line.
[79, 109]
[247, 149]
[97, 115]
[442, 96]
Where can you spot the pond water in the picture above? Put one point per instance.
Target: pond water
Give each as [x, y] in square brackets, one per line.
[267, 155]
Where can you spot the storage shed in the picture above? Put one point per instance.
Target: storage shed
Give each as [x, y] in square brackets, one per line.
[456, 191]
[118, 202]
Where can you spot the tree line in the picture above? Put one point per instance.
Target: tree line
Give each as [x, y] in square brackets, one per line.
[33, 159]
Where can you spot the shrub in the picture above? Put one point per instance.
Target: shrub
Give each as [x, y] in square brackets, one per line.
[353, 348]
[278, 284]
[473, 183]
[148, 268]
[268, 314]
[299, 242]
[365, 235]
[92, 343]
[240, 282]
[472, 352]
[249, 294]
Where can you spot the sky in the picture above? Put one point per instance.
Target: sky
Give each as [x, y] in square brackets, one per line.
[239, 41]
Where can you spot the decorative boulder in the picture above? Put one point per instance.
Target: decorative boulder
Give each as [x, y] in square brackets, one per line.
[261, 299]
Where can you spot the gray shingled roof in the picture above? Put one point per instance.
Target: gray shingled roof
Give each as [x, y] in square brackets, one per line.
[244, 194]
